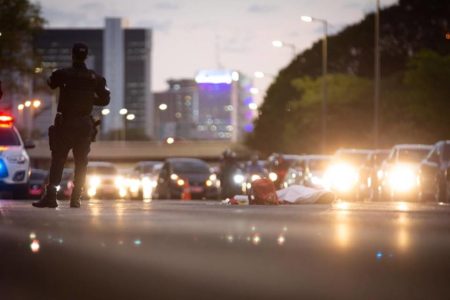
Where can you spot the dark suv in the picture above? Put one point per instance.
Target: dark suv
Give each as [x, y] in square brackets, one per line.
[435, 173]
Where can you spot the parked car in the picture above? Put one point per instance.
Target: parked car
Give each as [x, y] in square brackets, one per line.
[368, 174]
[342, 176]
[434, 173]
[308, 170]
[143, 179]
[14, 160]
[399, 175]
[36, 183]
[103, 181]
[179, 176]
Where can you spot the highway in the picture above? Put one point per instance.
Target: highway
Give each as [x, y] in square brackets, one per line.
[122, 249]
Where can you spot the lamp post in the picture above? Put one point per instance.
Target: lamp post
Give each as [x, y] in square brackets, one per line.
[376, 100]
[280, 44]
[324, 77]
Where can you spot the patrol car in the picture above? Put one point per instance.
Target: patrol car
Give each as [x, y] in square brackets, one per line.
[14, 160]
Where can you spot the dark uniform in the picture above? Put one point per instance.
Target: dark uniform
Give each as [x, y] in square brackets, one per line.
[80, 90]
[1, 91]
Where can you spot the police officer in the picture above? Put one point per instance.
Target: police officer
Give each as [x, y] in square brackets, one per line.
[1, 91]
[79, 90]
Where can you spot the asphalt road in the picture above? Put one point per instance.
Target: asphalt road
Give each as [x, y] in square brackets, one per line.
[206, 250]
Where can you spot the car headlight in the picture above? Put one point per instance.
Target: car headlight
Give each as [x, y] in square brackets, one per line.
[17, 159]
[341, 177]
[402, 178]
[120, 182]
[213, 177]
[255, 177]
[238, 178]
[174, 177]
[94, 181]
[180, 182]
[273, 176]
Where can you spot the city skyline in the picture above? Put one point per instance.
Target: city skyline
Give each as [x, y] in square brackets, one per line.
[187, 37]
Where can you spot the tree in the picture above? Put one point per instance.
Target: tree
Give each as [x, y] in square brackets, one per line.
[20, 20]
[406, 28]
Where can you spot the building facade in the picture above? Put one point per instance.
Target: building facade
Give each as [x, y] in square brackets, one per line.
[216, 105]
[123, 56]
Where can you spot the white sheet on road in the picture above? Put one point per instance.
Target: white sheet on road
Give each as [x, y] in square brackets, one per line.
[298, 194]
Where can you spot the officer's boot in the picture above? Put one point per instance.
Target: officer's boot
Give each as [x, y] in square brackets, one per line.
[48, 199]
[76, 197]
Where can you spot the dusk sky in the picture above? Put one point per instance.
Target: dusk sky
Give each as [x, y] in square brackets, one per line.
[185, 32]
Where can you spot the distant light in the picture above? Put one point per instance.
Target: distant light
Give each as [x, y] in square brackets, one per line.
[27, 103]
[253, 106]
[162, 106]
[34, 246]
[214, 76]
[277, 44]
[235, 76]
[256, 239]
[32, 235]
[36, 103]
[20, 107]
[259, 74]
[342, 205]
[123, 111]
[402, 206]
[170, 140]
[447, 35]
[105, 111]
[38, 70]
[137, 242]
[281, 239]
[306, 19]
[131, 117]
[254, 91]
[379, 255]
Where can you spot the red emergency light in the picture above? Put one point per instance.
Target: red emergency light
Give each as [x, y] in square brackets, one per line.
[6, 120]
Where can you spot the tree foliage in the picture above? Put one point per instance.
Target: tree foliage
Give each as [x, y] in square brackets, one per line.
[20, 20]
[406, 29]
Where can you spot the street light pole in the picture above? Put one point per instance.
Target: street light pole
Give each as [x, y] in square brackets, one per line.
[324, 86]
[280, 44]
[377, 78]
[324, 118]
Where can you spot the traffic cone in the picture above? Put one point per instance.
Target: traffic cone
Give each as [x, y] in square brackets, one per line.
[186, 194]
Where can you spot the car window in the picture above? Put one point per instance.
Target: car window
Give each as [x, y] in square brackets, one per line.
[446, 152]
[318, 164]
[412, 155]
[355, 158]
[8, 137]
[186, 167]
[102, 170]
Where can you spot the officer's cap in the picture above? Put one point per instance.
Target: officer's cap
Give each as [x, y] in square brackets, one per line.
[80, 50]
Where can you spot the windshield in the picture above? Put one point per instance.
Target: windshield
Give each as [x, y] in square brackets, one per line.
[447, 152]
[186, 167]
[412, 155]
[149, 167]
[8, 137]
[355, 158]
[318, 164]
[102, 170]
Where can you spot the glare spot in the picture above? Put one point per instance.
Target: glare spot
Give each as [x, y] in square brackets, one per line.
[402, 206]
[379, 255]
[137, 242]
[34, 246]
[285, 228]
[253, 228]
[281, 240]
[230, 238]
[32, 235]
[342, 205]
[256, 239]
